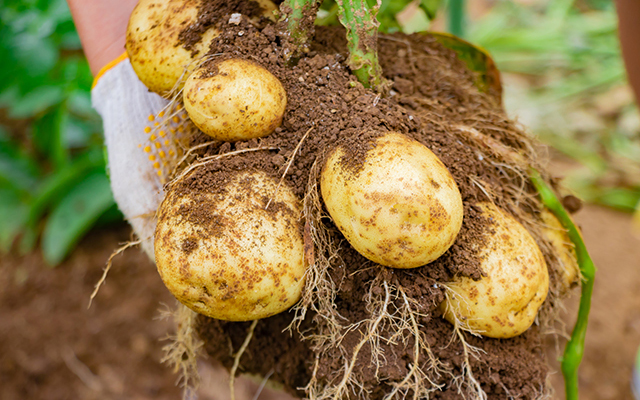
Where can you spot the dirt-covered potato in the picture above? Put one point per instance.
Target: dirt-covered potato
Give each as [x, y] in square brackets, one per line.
[557, 236]
[505, 302]
[401, 208]
[224, 254]
[239, 101]
[153, 46]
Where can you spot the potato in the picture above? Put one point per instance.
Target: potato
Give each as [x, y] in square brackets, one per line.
[402, 209]
[240, 101]
[152, 41]
[505, 302]
[223, 255]
[557, 236]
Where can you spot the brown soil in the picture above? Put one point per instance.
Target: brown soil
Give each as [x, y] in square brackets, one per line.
[53, 348]
[43, 315]
[432, 93]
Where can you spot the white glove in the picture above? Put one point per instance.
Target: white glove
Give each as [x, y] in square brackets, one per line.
[135, 146]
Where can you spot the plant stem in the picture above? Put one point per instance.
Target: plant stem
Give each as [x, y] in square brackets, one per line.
[300, 16]
[456, 17]
[574, 350]
[362, 37]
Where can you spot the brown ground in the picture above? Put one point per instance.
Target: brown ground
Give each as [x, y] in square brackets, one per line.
[52, 347]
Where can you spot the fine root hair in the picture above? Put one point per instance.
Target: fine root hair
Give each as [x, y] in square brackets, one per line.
[181, 353]
[393, 322]
[107, 268]
[468, 386]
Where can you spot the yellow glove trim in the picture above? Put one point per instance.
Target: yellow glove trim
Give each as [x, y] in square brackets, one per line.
[107, 67]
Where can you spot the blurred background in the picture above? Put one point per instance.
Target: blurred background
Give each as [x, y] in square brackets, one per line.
[563, 79]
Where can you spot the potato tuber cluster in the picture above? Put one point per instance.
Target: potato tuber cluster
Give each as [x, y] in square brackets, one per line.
[228, 256]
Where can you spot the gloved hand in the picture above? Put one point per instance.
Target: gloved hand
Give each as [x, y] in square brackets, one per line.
[136, 146]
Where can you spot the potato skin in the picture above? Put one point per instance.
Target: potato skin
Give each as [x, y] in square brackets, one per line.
[557, 236]
[223, 255]
[402, 209]
[241, 101]
[505, 302]
[152, 42]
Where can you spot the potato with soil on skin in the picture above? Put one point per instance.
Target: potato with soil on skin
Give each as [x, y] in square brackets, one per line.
[240, 100]
[153, 45]
[222, 254]
[503, 303]
[401, 208]
[567, 258]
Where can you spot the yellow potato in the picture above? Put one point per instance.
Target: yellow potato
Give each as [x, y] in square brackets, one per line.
[557, 236]
[223, 255]
[241, 101]
[505, 302]
[152, 41]
[402, 209]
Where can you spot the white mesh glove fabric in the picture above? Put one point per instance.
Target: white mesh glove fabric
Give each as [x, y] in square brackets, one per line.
[129, 112]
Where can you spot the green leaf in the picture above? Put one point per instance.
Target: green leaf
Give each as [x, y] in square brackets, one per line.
[13, 215]
[48, 135]
[17, 169]
[75, 215]
[111, 216]
[477, 60]
[621, 198]
[62, 180]
[36, 101]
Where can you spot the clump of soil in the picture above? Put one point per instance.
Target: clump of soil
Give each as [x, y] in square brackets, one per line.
[363, 330]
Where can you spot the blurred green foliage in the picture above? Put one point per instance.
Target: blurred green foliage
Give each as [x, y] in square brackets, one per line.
[53, 182]
[563, 62]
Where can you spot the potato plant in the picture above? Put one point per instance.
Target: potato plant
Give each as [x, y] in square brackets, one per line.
[248, 247]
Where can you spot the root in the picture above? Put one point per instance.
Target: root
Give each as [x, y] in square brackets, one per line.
[182, 351]
[393, 322]
[321, 252]
[466, 381]
[108, 267]
[473, 386]
[209, 159]
[237, 357]
[189, 152]
[347, 379]
[417, 373]
[286, 170]
[263, 384]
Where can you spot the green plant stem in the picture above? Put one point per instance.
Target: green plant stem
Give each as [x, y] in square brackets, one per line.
[574, 350]
[362, 37]
[456, 17]
[299, 20]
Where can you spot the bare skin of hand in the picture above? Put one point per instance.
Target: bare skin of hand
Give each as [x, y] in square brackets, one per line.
[629, 27]
[102, 27]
